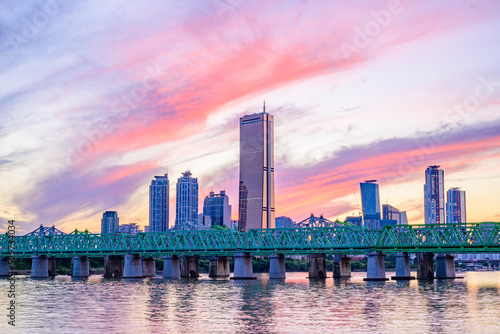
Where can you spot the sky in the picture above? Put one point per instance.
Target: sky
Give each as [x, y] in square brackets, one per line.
[96, 98]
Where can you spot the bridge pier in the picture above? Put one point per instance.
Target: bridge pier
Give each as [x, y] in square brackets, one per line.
[341, 266]
[132, 267]
[190, 266]
[402, 267]
[5, 267]
[375, 270]
[51, 263]
[425, 266]
[171, 267]
[218, 267]
[80, 266]
[445, 266]
[39, 266]
[277, 266]
[243, 266]
[317, 266]
[113, 266]
[148, 267]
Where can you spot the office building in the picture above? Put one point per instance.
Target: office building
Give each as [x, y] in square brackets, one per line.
[109, 222]
[217, 207]
[187, 199]
[158, 204]
[131, 229]
[355, 220]
[391, 213]
[204, 220]
[256, 189]
[455, 206]
[434, 195]
[370, 202]
[284, 222]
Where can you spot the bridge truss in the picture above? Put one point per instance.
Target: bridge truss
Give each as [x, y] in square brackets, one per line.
[450, 238]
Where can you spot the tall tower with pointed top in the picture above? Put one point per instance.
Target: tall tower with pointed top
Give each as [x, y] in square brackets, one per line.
[256, 193]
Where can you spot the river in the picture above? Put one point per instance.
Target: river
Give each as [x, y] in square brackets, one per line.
[296, 305]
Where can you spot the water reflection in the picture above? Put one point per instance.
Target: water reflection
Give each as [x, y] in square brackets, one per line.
[295, 305]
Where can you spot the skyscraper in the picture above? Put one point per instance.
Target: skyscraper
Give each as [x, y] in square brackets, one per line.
[256, 192]
[109, 222]
[187, 199]
[217, 207]
[434, 195]
[391, 213]
[158, 204]
[370, 201]
[455, 206]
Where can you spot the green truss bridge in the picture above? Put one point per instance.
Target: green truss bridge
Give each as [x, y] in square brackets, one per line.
[471, 238]
[318, 242]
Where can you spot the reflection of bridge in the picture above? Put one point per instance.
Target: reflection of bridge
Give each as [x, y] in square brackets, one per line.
[139, 251]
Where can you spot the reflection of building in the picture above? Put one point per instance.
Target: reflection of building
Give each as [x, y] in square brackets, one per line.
[284, 222]
[434, 195]
[217, 207]
[391, 213]
[256, 202]
[109, 222]
[455, 206]
[158, 204]
[370, 202]
[187, 199]
[131, 229]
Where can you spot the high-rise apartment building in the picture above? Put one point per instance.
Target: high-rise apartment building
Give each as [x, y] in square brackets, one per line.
[217, 207]
[370, 202]
[455, 206]
[158, 204]
[109, 222]
[256, 191]
[434, 195]
[187, 199]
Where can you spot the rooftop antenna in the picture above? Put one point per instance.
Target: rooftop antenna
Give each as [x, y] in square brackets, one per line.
[264, 106]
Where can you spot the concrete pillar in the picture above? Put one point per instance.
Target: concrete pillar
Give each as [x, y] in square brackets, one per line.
[113, 266]
[132, 267]
[243, 266]
[148, 267]
[190, 266]
[402, 267]
[341, 266]
[39, 266]
[317, 266]
[375, 270]
[171, 267]
[277, 266]
[445, 266]
[4, 267]
[51, 263]
[218, 267]
[425, 266]
[80, 266]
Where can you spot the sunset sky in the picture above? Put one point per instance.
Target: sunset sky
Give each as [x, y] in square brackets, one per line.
[98, 97]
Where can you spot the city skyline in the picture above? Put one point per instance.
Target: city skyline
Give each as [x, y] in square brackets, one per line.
[370, 91]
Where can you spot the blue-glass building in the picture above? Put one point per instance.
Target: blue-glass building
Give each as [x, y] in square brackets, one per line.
[109, 222]
[370, 201]
[217, 207]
